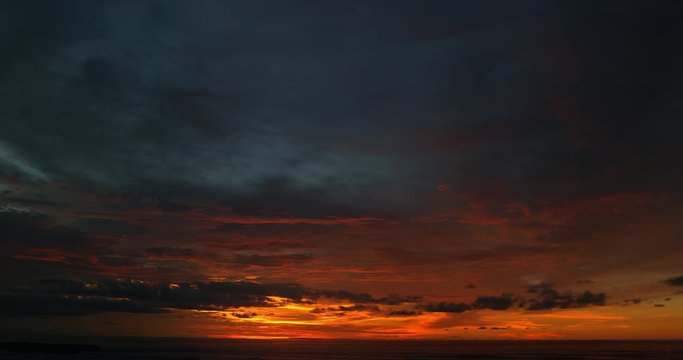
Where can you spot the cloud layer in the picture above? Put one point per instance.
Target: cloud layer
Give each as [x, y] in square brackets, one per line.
[464, 155]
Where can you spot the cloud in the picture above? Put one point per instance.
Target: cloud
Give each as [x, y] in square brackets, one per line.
[11, 162]
[33, 236]
[244, 315]
[544, 297]
[167, 252]
[66, 297]
[502, 302]
[493, 302]
[447, 307]
[344, 309]
[31, 229]
[272, 260]
[403, 313]
[29, 304]
[398, 299]
[674, 281]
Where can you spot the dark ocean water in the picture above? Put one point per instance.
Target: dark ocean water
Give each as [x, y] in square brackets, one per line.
[211, 349]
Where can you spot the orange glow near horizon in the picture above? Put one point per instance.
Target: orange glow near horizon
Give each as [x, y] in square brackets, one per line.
[367, 259]
[301, 321]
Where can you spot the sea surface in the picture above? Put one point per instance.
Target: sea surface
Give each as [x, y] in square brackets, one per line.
[214, 349]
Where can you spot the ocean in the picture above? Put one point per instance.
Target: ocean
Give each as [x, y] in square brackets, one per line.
[219, 349]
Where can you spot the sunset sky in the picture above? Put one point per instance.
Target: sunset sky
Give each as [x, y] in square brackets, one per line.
[342, 169]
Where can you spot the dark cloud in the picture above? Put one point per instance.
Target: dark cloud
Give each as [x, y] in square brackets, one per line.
[502, 302]
[29, 304]
[493, 302]
[218, 78]
[30, 229]
[365, 298]
[447, 307]
[240, 89]
[272, 260]
[281, 230]
[398, 299]
[244, 315]
[403, 313]
[508, 252]
[357, 307]
[31, 236]
[546, 297]
[634, 301]
[167, 252]
[344, 309]
[588, 298]
[79, 298]
[675, 281]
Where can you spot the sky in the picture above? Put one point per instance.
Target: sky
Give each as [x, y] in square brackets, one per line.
[342, 169]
